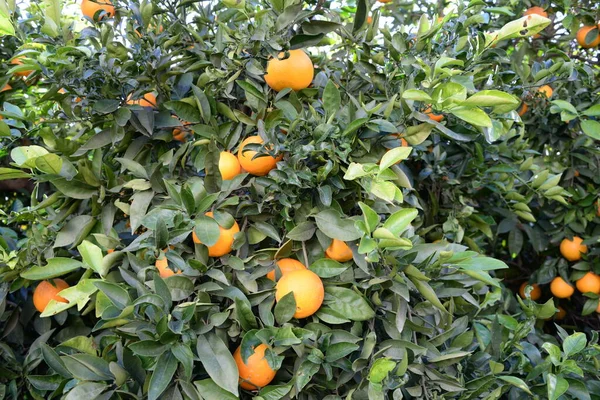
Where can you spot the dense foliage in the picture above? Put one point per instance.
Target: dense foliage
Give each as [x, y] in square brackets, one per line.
[412, 145]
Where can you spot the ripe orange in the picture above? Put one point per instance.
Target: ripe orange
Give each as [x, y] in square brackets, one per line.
[45, 291]
[296, 71]
[286, 265]
[19, 61]
[560, 288]
[90, 7]
[523, 109]
[546, 90]
[581, 34]
[162, 265]
[590, 282]
[179, 134]
[307, 288]
[110, 251]
[369, 20]
[148, 100]
[256, 373]
[572, 249]
[259, 166]
[5, 88]
[229, 166]
[561, 313]
[338, 250]
[536, 10]
[576, 173]
[225, 241]
[436, 117]
[535, 294]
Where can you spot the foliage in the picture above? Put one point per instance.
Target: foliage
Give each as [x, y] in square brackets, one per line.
[420, 311]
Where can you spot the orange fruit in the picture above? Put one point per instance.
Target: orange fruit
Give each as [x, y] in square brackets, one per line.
[19, 61]
[369, 20]
[536, 10]
[224, 243]
[546, 90]
[560, 288]
[384, 1]
[148, 100]
[256, 373]
[110, 251]
[572, 249]
[90, 7]
[296, 71]
[561, 313]
[259, 166]
[338, 250]
[286, 265]
[523, 109]
[179, 134]
[5, 88]
[576, 173]
[581, 34]
[229, 166]
[436, 117]
[162, 265]
[589, 283]
[535, 294]
[46, 291]
[307, 288]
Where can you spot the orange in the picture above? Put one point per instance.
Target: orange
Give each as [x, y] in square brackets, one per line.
[560, 288]
[229, 166]
[286, 265]
[589, 283]
[338, 250]
[90, 7]
[369, 20]
[224, 243]
[259, 166]
[46, 291]
[535, 294]
[536, 10]
[546, 90]
[576, 173]
[18, 61]
[307, 288]
[296, 71]
[179, 134]
[256, 373]
[5, 88]
[436, 117]
[572, 249]
[581, 34]
[148, 100]
[384, 1]
[523, 109]
[162, 265]
[110, 251]
[561, 313]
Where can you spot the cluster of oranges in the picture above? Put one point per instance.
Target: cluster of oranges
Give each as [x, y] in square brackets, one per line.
[571, 250]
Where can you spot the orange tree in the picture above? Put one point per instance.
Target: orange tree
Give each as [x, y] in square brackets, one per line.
[382, 157]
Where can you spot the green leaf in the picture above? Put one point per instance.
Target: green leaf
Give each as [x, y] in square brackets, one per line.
[117, 295]
[348, 303]
[380, 369]
[328, 268]
[210, 390]
[331, 98]
[86, 367]
[207, 229]
[10, 173]
[574, 344]
[245, 315]
[593, 111]
[339, 350]
[399, 221]
[591, 128]
[92, 256]
[427, 292]
[394, 156]
[490, 98]
[184, 110]
[106, 106]
[162, 377]
[417, 95]
[218, 362]
[303, 231]
[86, 390]
[49, 164]
[57, 266]
[285, 308]
[148, 348]
[557, 386]
[473, 116]
[517, 382]
[528, 25]
[331, 224]
[6, 26]
[25, 156]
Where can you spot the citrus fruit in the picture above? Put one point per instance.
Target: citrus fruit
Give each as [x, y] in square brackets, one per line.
[162, 265]
[338, 250]
[5, 88]
[229, 166]
[19, 61]
[296, 71]
[384, 1]
[589, 283]
[572, 249]
[259, 166]
[536, 10]
[286, 265]
[546, 90]
[535, 293]
[369, 20]
[256, 372]
[561, 313]
[179, 134]
[581, 34]
[224, 243]
[308, 291]
[523, 109]
[560, 288]
[46, 291]
[110, 251]
[436, 117]
[148, 100]
[89, 8]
